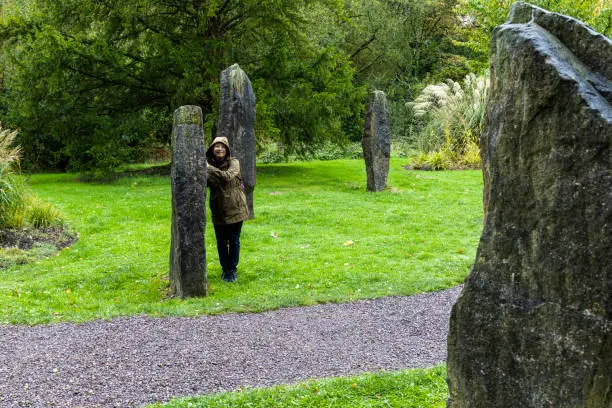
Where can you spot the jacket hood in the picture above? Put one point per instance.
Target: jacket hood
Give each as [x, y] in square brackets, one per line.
[219, 139]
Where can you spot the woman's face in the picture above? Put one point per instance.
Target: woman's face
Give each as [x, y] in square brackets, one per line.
[219, 150]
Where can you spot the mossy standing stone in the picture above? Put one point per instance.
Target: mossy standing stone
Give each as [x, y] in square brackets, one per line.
[188, 178]
[532, 326]
[376, 142]
[237, 123]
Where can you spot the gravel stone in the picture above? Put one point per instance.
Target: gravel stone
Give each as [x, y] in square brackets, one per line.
[132, 361]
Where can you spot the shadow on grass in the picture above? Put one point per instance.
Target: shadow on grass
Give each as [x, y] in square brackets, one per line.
[283, 170]
[164, 170]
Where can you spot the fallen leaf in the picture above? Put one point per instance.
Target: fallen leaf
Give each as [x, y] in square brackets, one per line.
[348, 243]
[274, 234]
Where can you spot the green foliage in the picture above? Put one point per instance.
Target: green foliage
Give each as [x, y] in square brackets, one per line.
[332, 151]
[275, 152]
[41, 214]
[317, 101]
[480, 17]
[447, 159]
[471, 156]
[453, 118]
[318, 236]
[90, 82]
[438, 160]
[17, 207]
[12, 198]
[12, 190]
[414, 388]
[394, 46]
[395, 43]
[93, 84]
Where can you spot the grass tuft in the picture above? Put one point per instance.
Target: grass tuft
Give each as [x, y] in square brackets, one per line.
[42, 215]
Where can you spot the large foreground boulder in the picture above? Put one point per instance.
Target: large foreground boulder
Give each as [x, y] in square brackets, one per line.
[237, 123]
[376, 142]
[188, 178]
[532, 326]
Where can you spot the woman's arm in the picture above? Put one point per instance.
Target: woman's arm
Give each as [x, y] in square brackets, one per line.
[217, 176]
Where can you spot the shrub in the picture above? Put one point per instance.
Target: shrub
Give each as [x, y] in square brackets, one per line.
[471, 156]
[439, 160]
[402, 149]
[41, 214]
[276, 152]
[453, 117]
[270, 152]
[12, 189]
[17, 207]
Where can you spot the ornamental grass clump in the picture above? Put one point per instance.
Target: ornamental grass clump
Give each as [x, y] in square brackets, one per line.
[8, 152]
[12, 189]
[41, 214]
[18, 208]
[452, 118]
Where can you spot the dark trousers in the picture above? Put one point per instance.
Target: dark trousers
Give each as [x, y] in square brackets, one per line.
[228, 245]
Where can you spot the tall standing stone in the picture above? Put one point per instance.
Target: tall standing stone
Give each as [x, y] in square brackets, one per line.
[376, 142]
[188, 178]
[532, 326]
[237, 123]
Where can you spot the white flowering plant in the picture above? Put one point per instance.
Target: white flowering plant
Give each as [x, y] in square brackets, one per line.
[453, 116]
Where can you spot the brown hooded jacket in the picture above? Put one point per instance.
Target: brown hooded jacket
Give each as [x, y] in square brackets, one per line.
[228, 203]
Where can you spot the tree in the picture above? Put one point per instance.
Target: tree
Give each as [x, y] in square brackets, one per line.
[480, 17]
[394, 45]
[93, 81]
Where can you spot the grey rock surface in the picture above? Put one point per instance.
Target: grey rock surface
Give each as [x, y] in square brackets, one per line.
[376, 142]
[532, 326]
[131, 361]
[237, 123]
[188, 177]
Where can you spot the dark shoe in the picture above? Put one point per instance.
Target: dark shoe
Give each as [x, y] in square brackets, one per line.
[225, 276]
[232, 275]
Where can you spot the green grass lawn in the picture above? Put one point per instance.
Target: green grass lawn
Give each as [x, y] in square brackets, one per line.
[317, 237]
[424, 388]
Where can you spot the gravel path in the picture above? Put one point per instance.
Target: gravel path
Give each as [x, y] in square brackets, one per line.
[131, 361]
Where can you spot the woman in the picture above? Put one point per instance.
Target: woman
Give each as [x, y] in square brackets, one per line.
[228, 204]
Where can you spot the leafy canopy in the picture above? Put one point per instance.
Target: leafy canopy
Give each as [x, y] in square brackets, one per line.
[90, 82]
